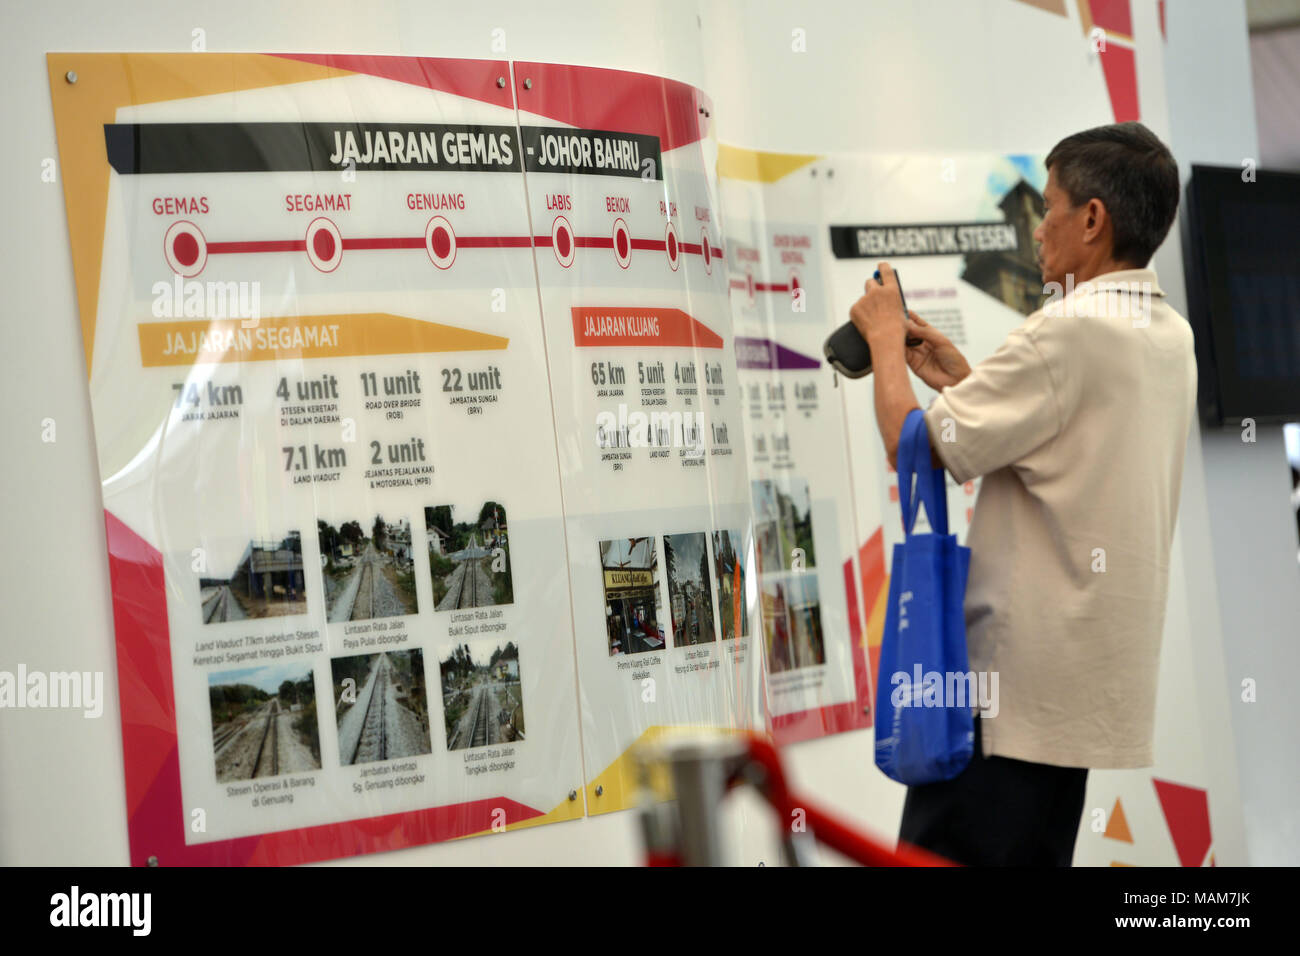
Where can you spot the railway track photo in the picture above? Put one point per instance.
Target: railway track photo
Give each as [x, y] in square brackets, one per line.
[367, 577]
[469, 560]
[380, 703]
[256, 734]
[482, 697]
[220, 605]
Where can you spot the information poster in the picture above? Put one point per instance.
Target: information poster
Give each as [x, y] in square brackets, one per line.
[633, 280]
[801, 489]
[330, 475]
[452, 444]
[959, 232]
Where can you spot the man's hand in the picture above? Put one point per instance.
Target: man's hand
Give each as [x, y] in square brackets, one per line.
[936, 361]
[878, 315]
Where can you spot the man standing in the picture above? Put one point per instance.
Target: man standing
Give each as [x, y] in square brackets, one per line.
[1078, 425]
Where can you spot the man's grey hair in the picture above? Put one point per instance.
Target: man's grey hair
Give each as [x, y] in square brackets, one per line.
[1133, 174]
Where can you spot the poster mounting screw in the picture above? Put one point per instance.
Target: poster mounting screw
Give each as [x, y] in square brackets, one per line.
[153, 860]
[70, 76]
[528, 82]
[501, 82]
[573, 794]
[600, 789]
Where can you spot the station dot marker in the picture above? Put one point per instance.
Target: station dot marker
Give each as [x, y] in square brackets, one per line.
[562, 243]
[440, 242]
[186, 249]
[323, 244]
[622, 244]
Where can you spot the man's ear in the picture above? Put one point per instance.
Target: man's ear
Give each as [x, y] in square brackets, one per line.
[1096, 219]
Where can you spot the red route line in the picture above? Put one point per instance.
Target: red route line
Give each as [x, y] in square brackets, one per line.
[399, 242]
[647, 245]
[491, 242]
[462, 242]
[379, 242]
[259, 245]
[761, 286]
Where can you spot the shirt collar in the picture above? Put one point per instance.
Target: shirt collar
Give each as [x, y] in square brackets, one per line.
[1076, 299]
[1127, 280]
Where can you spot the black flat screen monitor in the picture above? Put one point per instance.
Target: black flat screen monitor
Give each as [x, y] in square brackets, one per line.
[1241, 250]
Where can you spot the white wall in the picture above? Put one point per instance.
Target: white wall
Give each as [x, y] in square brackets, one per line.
[889, 75]
[1275, 65]
[1252, 529]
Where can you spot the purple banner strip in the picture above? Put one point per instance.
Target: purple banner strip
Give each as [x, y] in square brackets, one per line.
[764, 353]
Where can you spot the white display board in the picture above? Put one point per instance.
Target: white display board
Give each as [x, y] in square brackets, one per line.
[630, 264]
[348, 371]
[801, 489]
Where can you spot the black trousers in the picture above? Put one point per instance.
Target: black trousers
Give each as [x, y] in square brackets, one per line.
[998, 812]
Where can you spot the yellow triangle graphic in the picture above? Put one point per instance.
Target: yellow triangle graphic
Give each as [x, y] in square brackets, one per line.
[757, 167]
[619, 783]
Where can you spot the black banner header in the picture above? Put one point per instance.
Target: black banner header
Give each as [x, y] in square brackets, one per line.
[929, 239]
[269, 147]
[558, 149]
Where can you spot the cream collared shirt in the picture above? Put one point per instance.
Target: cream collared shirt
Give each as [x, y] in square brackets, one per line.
[1078, 425]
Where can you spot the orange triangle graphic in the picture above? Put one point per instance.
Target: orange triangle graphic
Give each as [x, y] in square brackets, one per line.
[1117, 826]
[104, 82]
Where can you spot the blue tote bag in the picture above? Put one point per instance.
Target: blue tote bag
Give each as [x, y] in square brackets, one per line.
[923, 733]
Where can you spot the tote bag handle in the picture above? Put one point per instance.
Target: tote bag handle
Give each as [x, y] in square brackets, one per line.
[918, 481]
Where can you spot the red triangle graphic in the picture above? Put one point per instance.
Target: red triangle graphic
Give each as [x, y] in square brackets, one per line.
[1113, 15]
[1119, 65]
[1187, 812]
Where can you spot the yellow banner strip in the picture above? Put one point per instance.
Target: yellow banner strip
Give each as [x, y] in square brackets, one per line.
[209, 341]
